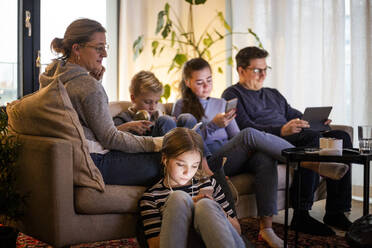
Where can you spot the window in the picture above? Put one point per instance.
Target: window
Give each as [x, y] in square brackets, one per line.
[25, 47]
[54, 21]
[9, 53]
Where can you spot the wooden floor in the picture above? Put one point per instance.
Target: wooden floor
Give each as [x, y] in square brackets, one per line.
[318, 211]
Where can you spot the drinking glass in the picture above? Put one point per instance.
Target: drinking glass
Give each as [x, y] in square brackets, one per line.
[365, 139]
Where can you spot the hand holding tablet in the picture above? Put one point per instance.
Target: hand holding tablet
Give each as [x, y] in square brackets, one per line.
[317, 116]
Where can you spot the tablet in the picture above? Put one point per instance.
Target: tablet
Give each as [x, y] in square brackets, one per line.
[316, 116]
[231, 104]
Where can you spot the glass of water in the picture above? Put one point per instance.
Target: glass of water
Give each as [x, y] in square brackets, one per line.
[365, 139]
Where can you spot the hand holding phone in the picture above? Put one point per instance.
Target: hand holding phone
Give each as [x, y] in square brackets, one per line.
[231, 104]
[207, 191]
[197, 126]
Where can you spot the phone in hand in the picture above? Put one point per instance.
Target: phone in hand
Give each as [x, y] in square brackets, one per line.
[231, 104]
[197, 126]
[207, 191]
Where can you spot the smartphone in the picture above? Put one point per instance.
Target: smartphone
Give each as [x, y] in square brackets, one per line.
[207, 191]
[197, 126]
[231, 104]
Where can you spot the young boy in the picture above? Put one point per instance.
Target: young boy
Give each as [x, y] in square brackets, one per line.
[143, 118]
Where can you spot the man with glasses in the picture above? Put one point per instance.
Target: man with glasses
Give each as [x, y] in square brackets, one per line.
[267, 110]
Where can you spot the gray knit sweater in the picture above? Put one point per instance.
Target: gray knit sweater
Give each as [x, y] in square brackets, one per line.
[90, 101]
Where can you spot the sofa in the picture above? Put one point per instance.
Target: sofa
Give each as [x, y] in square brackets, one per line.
[62, 214]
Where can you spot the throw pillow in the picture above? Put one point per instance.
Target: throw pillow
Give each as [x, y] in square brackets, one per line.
[49, 113]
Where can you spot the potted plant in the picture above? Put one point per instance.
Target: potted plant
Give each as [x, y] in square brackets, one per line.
[171, 34]
[11, 201]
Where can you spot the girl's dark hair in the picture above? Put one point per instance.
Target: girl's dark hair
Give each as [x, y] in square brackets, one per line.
[191, 103]
[180, 140]
[79, 31]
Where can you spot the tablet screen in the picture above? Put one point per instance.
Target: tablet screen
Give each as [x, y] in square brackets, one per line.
[316, 116]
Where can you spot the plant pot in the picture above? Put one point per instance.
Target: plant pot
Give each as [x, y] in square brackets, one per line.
[8, 236]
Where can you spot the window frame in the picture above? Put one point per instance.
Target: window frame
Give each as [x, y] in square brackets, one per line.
[28, 48]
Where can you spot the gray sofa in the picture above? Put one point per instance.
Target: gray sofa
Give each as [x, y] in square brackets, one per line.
[61, 215]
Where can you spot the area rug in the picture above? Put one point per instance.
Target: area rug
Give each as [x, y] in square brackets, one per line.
[24, 240]
[249, 229]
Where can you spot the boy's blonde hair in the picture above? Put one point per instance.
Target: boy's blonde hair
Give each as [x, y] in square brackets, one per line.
[180, 140]
[145, 81]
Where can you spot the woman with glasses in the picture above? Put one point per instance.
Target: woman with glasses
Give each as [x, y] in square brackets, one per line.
[248, 150]
[122, 158]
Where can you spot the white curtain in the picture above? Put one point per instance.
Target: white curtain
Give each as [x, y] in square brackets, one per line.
[305, 40]
[361, 70]
[313, 62]
[139, 17]
[361, 62]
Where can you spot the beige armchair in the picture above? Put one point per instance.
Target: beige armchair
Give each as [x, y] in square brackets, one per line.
[61, 215]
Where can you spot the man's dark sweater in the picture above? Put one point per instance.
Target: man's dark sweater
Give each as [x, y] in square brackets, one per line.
[266, 109]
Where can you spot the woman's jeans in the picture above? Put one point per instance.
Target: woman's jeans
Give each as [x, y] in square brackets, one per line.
[205, 216]
[120, 168]
[256, 152]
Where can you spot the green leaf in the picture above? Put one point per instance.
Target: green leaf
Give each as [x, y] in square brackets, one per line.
[222, 19]
[196, 2]
[180, 59]
[256, 37]
[161, 50]
[185, 34]
[166, 30]
[160, 22]
[166, 92]
[166, 8]
[208, 54]
[207, 42]
[219, 70]
[137, 47]
[173, 38]
[230, 61]
[171, 67]
[154, 46]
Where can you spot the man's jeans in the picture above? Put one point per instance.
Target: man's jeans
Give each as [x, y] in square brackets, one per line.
[338, 191]
[256, 152]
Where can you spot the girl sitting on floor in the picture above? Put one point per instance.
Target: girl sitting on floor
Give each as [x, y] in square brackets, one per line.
[185, 198]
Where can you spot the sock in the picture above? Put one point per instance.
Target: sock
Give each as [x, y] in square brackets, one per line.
[331, 170]
[269, 236]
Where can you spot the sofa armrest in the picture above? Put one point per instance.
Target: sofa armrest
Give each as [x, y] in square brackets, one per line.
[348, 129]
[46, 175]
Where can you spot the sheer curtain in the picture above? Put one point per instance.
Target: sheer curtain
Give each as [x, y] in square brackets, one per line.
[305, 40]
[139, 17]
[312, 64]
[361, 70]
[361, 62]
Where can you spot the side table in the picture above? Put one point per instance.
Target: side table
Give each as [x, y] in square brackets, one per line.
[297, 155]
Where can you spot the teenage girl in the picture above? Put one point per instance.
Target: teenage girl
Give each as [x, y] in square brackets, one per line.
[248, 150]
[185, 198]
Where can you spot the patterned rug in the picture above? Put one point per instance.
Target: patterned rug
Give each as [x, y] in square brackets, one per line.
[249, 228]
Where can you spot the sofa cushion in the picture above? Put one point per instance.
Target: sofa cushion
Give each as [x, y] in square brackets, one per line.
[244, 183]
[115, 199]
[49, 113]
